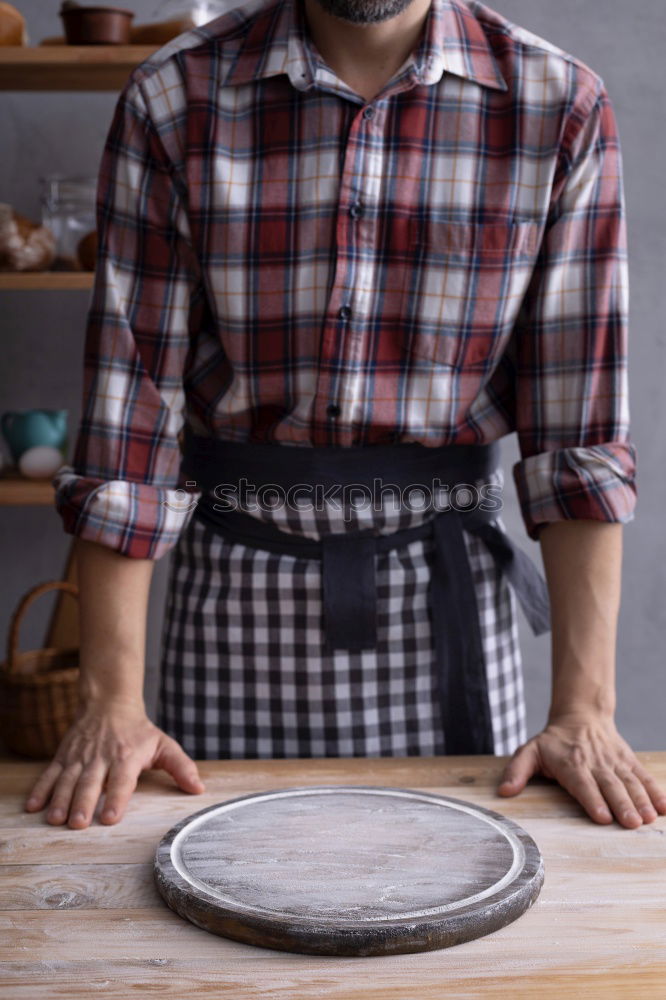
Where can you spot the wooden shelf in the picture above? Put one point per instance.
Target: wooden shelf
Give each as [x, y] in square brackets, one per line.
[17, 490]
[69, 67]
[46, 280]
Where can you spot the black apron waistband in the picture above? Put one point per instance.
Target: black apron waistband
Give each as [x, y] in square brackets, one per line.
[348, 558]
[207, 460]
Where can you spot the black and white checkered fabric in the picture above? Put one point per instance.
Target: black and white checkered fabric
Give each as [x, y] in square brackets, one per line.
[243, 671]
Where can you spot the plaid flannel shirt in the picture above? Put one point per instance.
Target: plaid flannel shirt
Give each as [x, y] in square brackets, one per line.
[280, 260]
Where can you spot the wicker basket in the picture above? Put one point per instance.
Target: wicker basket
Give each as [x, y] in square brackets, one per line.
[39, 688]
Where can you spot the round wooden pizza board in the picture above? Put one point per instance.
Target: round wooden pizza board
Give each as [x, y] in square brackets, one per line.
[348, 870]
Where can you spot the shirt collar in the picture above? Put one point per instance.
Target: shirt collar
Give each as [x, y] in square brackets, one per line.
[453, 42]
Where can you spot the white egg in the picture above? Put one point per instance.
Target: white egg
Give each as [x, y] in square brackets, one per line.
[40, 462]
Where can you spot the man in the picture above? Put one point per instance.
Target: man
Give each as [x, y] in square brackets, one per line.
[341, 238]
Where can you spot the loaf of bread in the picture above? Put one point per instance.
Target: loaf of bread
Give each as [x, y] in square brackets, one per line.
[12, 26]
[24, 245]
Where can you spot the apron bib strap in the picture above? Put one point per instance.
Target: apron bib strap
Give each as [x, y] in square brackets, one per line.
[461, 674]
[349, 590]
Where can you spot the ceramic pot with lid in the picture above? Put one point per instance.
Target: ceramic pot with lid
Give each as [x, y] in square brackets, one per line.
[95, 25]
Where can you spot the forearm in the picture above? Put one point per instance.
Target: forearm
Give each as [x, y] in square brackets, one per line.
[583, 560]
[113, 600]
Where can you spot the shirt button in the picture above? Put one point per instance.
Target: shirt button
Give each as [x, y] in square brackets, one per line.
[344, 312]
[333, 410]
[368, 112]
[355, 210]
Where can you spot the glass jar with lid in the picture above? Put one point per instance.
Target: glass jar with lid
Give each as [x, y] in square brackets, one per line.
[69, 211]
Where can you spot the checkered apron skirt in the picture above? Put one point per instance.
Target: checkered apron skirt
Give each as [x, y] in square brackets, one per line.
[244, 672]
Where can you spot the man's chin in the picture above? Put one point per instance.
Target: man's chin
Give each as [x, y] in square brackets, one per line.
[363, 11]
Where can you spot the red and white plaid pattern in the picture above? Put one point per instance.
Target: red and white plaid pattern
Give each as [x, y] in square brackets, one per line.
[280, 261]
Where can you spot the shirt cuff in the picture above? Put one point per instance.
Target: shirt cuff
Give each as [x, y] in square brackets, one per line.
[597, 482]
[135, 519]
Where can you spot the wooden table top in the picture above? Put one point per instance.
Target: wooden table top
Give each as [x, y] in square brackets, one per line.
[81, 916]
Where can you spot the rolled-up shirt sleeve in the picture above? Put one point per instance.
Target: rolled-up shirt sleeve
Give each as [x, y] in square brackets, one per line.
[122, 488]
[571, 400]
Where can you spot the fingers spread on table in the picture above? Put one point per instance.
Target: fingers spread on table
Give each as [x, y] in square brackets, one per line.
[40, 791]
[86, 793]
[121, 782]
[655, 791]
[62, 793]
[580, 783]
[620, 801]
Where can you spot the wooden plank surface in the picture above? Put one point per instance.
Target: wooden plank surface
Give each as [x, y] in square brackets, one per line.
[80, 916]
[55, 281]
[69, 67]
[16, 489]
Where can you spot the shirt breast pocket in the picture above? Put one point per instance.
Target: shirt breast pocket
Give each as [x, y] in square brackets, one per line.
[464, 287]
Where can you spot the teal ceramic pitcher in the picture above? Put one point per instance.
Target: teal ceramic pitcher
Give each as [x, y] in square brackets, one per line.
[34, 427]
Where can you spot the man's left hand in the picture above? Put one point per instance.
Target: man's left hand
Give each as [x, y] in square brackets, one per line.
[589, 758]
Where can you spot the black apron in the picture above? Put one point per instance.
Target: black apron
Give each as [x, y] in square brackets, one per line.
[348, 570]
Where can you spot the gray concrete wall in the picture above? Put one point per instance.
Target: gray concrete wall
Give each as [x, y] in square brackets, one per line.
[42, 332]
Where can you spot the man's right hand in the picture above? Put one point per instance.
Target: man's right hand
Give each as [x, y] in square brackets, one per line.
[106, 749]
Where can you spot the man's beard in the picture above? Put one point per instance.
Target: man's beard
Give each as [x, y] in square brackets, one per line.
[364, 11]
